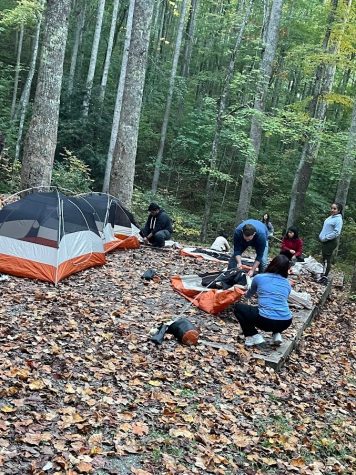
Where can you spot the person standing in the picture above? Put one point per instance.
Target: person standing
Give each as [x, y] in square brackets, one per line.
[267, 222]
[250, 233]
[272, 313]
[329, 238]
[158, 227]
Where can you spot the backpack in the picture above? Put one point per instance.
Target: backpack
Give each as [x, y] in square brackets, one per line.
[224, 280]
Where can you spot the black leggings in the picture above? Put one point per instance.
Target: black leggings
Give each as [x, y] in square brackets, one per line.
[249, 319]
[327, 252]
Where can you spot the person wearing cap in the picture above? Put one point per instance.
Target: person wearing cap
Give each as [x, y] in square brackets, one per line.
[158, 227]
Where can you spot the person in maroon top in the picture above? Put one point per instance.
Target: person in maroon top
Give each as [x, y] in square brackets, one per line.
[292, 245]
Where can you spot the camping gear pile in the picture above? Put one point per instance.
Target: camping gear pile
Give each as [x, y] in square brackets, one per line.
[47, 235]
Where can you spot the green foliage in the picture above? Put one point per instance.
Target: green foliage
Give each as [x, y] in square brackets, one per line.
[26, 12]
[72, 174]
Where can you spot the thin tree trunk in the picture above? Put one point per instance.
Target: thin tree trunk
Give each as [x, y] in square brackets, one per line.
[25, 97]
[159, 158]
[17, 71]
[109, 49]
[259, 107]
[348, 163]
[41, 139]
[219, 120]
[318, 107]
[78, 34]
[353, 281]
[119, 96]
[190, 37]
[123, 169]
[93, 58]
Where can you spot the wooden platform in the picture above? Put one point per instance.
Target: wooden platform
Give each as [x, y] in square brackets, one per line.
[275, 357]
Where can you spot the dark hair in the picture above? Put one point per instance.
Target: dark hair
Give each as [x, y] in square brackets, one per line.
[222, 233]
[279, 265]
[339, 207]
[263, 218]
[153, 207]
[248, 230]
[294, 230]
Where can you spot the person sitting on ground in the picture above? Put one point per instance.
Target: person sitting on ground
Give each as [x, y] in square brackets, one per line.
[220, 244]
[329, 237]
[272, 313]
[250, 233]
[292, 245]
[158, 227]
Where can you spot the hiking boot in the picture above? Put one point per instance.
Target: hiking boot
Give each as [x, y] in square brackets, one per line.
[254, 340]
[277, 339]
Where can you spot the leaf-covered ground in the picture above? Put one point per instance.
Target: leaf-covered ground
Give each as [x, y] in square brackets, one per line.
[82, 390]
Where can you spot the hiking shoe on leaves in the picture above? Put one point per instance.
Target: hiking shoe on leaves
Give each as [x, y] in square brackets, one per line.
[277, 339]
[254, 340]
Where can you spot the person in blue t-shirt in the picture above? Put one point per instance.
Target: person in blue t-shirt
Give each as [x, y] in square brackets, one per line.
[250, 233]
[272, 313]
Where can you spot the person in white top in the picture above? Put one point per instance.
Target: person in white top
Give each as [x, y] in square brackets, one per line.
[220, 244]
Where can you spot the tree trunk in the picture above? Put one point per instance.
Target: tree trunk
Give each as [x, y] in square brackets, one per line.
[93, 58]
[353, 281]
[348, 163]
[190, 37]
[123, 170]
[218, 123]
[78, 34]
[109, 49]
[119, 96]
[259, 107]
[159, 158]
[17, 71]
[322, 86]
[41, 139]
[25, 96]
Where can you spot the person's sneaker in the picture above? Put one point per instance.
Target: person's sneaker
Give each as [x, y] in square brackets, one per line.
[254, 340]
[277, 339]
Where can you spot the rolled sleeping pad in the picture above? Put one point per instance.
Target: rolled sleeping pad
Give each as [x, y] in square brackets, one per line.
[184, 331]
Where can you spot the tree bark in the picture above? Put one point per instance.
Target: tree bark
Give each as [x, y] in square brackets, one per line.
[123, 169]
[353, 281]
[78, 34]
[93, 58]
[25, 96]
[109, 49]
[41, 139]
[219, 120]
[259, 107]
[119, 96]
[348, 163]
[178, 44]
[322, 86]
[17, 71]
[188, 47]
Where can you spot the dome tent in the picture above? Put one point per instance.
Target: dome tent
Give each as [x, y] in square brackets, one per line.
[115, 222]
[45, 235]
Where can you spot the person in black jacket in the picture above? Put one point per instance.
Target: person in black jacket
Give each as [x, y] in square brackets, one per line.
[158, 227]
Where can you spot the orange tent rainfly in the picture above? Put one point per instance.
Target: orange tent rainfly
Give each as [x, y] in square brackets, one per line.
[47, 236]
[211, 301]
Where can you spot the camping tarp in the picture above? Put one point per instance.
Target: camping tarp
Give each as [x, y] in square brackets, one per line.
[212, 301]
[46, 236]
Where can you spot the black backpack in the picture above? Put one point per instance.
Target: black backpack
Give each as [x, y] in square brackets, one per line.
[224, 280]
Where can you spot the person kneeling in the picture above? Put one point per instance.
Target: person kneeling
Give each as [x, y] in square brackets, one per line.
[158, 227]
[272, 313]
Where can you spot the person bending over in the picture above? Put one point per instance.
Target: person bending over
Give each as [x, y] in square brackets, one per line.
[272, 313]
[250, 233]
[158, 227]
[292, 245]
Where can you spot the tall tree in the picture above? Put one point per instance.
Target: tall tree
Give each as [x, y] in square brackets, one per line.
[259, 107]
[167, 112]
[104, 78]
[119, 96]
[25, 96]
[323, 83]
[219, 119]
[348, 163]
[78, 34]
[17, 70]
[93, 57]
[41, 139]
[123, 169]
[188, 47]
